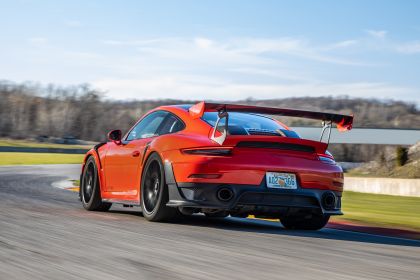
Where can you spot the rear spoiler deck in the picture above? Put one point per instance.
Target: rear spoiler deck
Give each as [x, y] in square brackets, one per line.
[344, 122]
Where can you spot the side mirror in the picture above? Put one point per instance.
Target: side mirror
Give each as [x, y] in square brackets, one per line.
[115, 136]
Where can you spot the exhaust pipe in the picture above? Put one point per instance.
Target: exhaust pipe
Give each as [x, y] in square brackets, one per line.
[187, 211]
[328, 200]
[224, 194]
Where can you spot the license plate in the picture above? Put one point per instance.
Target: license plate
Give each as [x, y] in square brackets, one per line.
[278, 180]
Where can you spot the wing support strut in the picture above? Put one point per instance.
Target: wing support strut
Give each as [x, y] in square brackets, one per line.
[326, 125]
[222, 114]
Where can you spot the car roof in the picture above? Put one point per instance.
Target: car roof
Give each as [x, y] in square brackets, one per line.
[185, 108]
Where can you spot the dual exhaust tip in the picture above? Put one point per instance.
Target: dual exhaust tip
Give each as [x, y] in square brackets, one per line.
[224, 194]
[328, 201]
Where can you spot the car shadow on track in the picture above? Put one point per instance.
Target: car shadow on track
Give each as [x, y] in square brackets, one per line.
[275, 228]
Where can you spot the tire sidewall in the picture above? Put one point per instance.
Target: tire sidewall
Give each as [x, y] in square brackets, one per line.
[95, 191]
[152, 215]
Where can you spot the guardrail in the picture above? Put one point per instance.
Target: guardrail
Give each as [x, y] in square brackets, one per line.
[390, 186]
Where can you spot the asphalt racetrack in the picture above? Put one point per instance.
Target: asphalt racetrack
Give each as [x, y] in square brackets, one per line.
[46, 234]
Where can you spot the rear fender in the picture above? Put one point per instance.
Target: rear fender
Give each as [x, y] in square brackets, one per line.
[168, 147]
[155, 146]
[178, 141]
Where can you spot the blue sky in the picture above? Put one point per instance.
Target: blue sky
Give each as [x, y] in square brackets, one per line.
[223, 50]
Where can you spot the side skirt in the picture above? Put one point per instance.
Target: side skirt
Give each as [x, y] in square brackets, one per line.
[124, 202]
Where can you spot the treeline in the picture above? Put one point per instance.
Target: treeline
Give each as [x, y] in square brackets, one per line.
[359, 152]
[28, 111]
[369, 113]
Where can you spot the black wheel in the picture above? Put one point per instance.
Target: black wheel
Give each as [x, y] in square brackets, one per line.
[90, 192]
[315, 222]
[154, 192]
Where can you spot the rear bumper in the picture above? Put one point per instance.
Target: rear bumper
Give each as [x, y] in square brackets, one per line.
[249, 167]
[256, 198]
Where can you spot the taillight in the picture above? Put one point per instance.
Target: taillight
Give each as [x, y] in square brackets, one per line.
[327, 158]
[209, 151]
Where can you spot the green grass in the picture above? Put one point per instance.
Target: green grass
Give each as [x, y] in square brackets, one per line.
[32, 144]
[381, 210]
[38, 158]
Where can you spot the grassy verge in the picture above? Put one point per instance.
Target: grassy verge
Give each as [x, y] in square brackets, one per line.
[38, 158]
[32, 144]
[381, 210]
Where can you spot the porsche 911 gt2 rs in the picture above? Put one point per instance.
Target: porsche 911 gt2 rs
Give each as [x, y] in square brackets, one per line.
[220, 160]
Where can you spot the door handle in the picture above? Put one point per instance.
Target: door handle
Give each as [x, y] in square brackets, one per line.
[135, 153]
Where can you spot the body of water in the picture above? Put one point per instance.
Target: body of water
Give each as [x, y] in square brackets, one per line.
[364, 135]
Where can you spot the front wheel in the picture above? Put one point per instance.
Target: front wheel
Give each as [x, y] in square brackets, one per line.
[315, 222]
[154, 191]
[90, 192]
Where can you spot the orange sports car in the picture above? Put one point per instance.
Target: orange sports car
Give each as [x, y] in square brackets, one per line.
[220, 160]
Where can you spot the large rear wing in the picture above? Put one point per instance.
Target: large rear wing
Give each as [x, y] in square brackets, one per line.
[343, 122]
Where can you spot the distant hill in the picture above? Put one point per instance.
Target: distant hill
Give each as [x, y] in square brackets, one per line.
[79, 111]
[387, 165]
[370, 113]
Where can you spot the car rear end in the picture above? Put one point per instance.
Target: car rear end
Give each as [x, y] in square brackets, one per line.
[262, 168]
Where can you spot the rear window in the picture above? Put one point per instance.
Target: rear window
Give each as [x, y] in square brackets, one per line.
[250, 124]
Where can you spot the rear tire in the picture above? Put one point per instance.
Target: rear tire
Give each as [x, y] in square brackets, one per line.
[316, 222]
[90, 191]
[154, 192]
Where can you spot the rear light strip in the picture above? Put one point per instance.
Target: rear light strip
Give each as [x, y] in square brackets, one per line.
[276, 145]
[209, 151]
